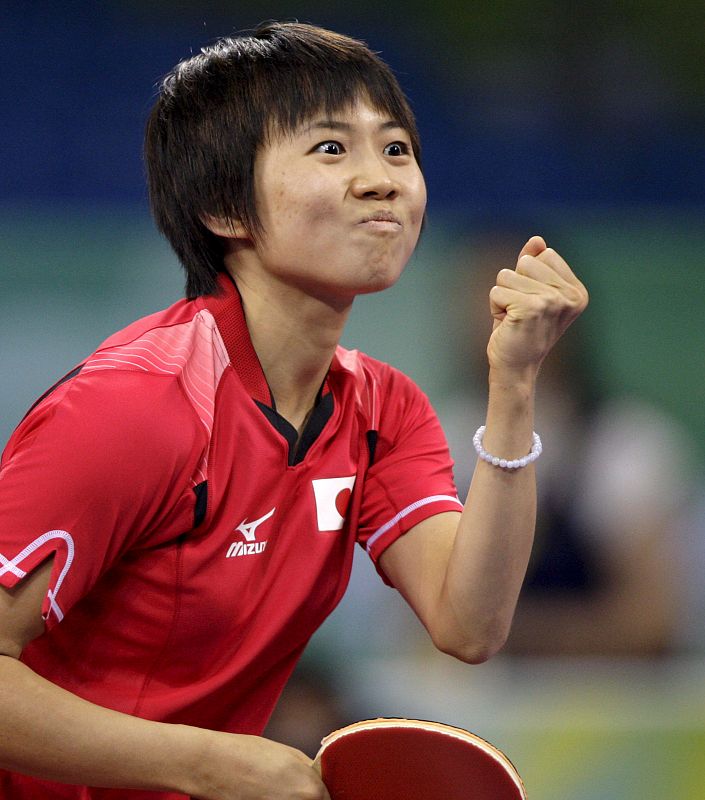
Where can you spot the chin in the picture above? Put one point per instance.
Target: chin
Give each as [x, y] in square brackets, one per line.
[379, 284]
[347, 282]
[382, 274]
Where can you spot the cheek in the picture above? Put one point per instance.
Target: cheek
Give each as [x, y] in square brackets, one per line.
[294, 201]
[419, 200]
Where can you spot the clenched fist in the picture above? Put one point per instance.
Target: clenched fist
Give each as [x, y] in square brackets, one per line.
[532, 305]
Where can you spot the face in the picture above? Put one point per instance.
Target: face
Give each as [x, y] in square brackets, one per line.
[341, 203]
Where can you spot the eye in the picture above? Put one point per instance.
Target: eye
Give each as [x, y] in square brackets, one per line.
[396, 149]
[329, 148]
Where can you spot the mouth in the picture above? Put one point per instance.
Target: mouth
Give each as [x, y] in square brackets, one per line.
[381, 220]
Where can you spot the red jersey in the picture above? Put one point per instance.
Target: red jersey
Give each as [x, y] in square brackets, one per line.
[196, 546]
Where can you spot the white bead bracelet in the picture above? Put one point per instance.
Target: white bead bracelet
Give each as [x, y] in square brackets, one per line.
[505, 463]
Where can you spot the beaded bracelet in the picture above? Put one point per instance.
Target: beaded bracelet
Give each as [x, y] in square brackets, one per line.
[504, 463]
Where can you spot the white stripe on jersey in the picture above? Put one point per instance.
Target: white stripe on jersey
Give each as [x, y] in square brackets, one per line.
[7, 565]
[406, 511]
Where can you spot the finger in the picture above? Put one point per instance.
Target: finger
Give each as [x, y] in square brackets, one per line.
[532, 270]
[550, 269]
[502, 301]
[533, 247]
[549, 307]
[501, 297]
[574, 289]
[550, 256]
[545, 283]
[498, 303]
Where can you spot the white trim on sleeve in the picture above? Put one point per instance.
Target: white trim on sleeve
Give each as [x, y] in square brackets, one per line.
[12, 565]
[436, 498]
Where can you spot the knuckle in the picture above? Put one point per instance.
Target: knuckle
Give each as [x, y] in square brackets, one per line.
[540, 304]
[524, 265]
[577, 297]
[315, 791]
[550, 303]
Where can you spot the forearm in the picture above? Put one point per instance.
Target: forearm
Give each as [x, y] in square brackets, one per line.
[493, 542]
[50, 733]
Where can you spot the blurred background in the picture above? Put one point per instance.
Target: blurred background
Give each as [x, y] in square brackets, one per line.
[584, 122]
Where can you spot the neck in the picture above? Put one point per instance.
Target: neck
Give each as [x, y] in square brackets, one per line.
[294, 336]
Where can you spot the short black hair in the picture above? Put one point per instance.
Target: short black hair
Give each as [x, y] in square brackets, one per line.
[216, 109]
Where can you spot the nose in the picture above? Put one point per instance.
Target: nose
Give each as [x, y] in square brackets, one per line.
[373, 181]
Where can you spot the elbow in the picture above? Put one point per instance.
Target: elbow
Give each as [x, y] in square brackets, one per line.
[472, 648]
[472, 652]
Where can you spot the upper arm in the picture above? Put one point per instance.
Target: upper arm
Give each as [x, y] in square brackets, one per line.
[416, 563]
[21, 610]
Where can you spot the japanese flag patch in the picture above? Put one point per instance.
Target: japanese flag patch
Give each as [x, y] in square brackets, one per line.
[332, 499]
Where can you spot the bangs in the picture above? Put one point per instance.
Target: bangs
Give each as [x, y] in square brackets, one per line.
[300, 97]
[289, 74]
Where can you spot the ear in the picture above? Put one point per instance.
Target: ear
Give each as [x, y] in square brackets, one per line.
[225, 227]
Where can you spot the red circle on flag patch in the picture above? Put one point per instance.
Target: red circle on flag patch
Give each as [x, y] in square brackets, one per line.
[342, 501]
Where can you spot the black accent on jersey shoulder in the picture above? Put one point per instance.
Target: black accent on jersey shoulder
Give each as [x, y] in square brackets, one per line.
[298, 448]
[371, 445]
[46, 394]
[199, 512]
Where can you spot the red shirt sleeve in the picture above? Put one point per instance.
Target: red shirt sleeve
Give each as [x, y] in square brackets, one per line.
[411, 477]
[103, 463]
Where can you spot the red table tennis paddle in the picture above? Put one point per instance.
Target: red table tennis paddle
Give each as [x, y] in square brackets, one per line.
[408, 759]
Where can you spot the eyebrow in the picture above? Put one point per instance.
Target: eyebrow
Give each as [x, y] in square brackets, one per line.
[339, 125]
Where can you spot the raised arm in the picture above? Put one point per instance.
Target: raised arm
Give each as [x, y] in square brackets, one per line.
[50, 733]
[462, 573]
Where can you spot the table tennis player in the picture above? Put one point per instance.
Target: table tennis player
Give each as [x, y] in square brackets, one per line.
[178, 513]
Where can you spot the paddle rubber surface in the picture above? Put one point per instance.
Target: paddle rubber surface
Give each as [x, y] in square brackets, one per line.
[394, 759]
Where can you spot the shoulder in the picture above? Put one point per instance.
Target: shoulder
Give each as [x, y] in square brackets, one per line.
[150, 385]
[99, 419]
[165, 343]
[182, 344]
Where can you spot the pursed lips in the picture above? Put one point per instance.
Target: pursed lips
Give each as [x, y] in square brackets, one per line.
[382, 220]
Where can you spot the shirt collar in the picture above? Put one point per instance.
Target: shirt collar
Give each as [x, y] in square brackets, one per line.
[226, 308]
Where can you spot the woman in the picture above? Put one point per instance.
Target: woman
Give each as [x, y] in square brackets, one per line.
[179, 512]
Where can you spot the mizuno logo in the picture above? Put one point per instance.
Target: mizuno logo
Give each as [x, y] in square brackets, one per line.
[245, 549]
[250, 546]
[247, 529]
